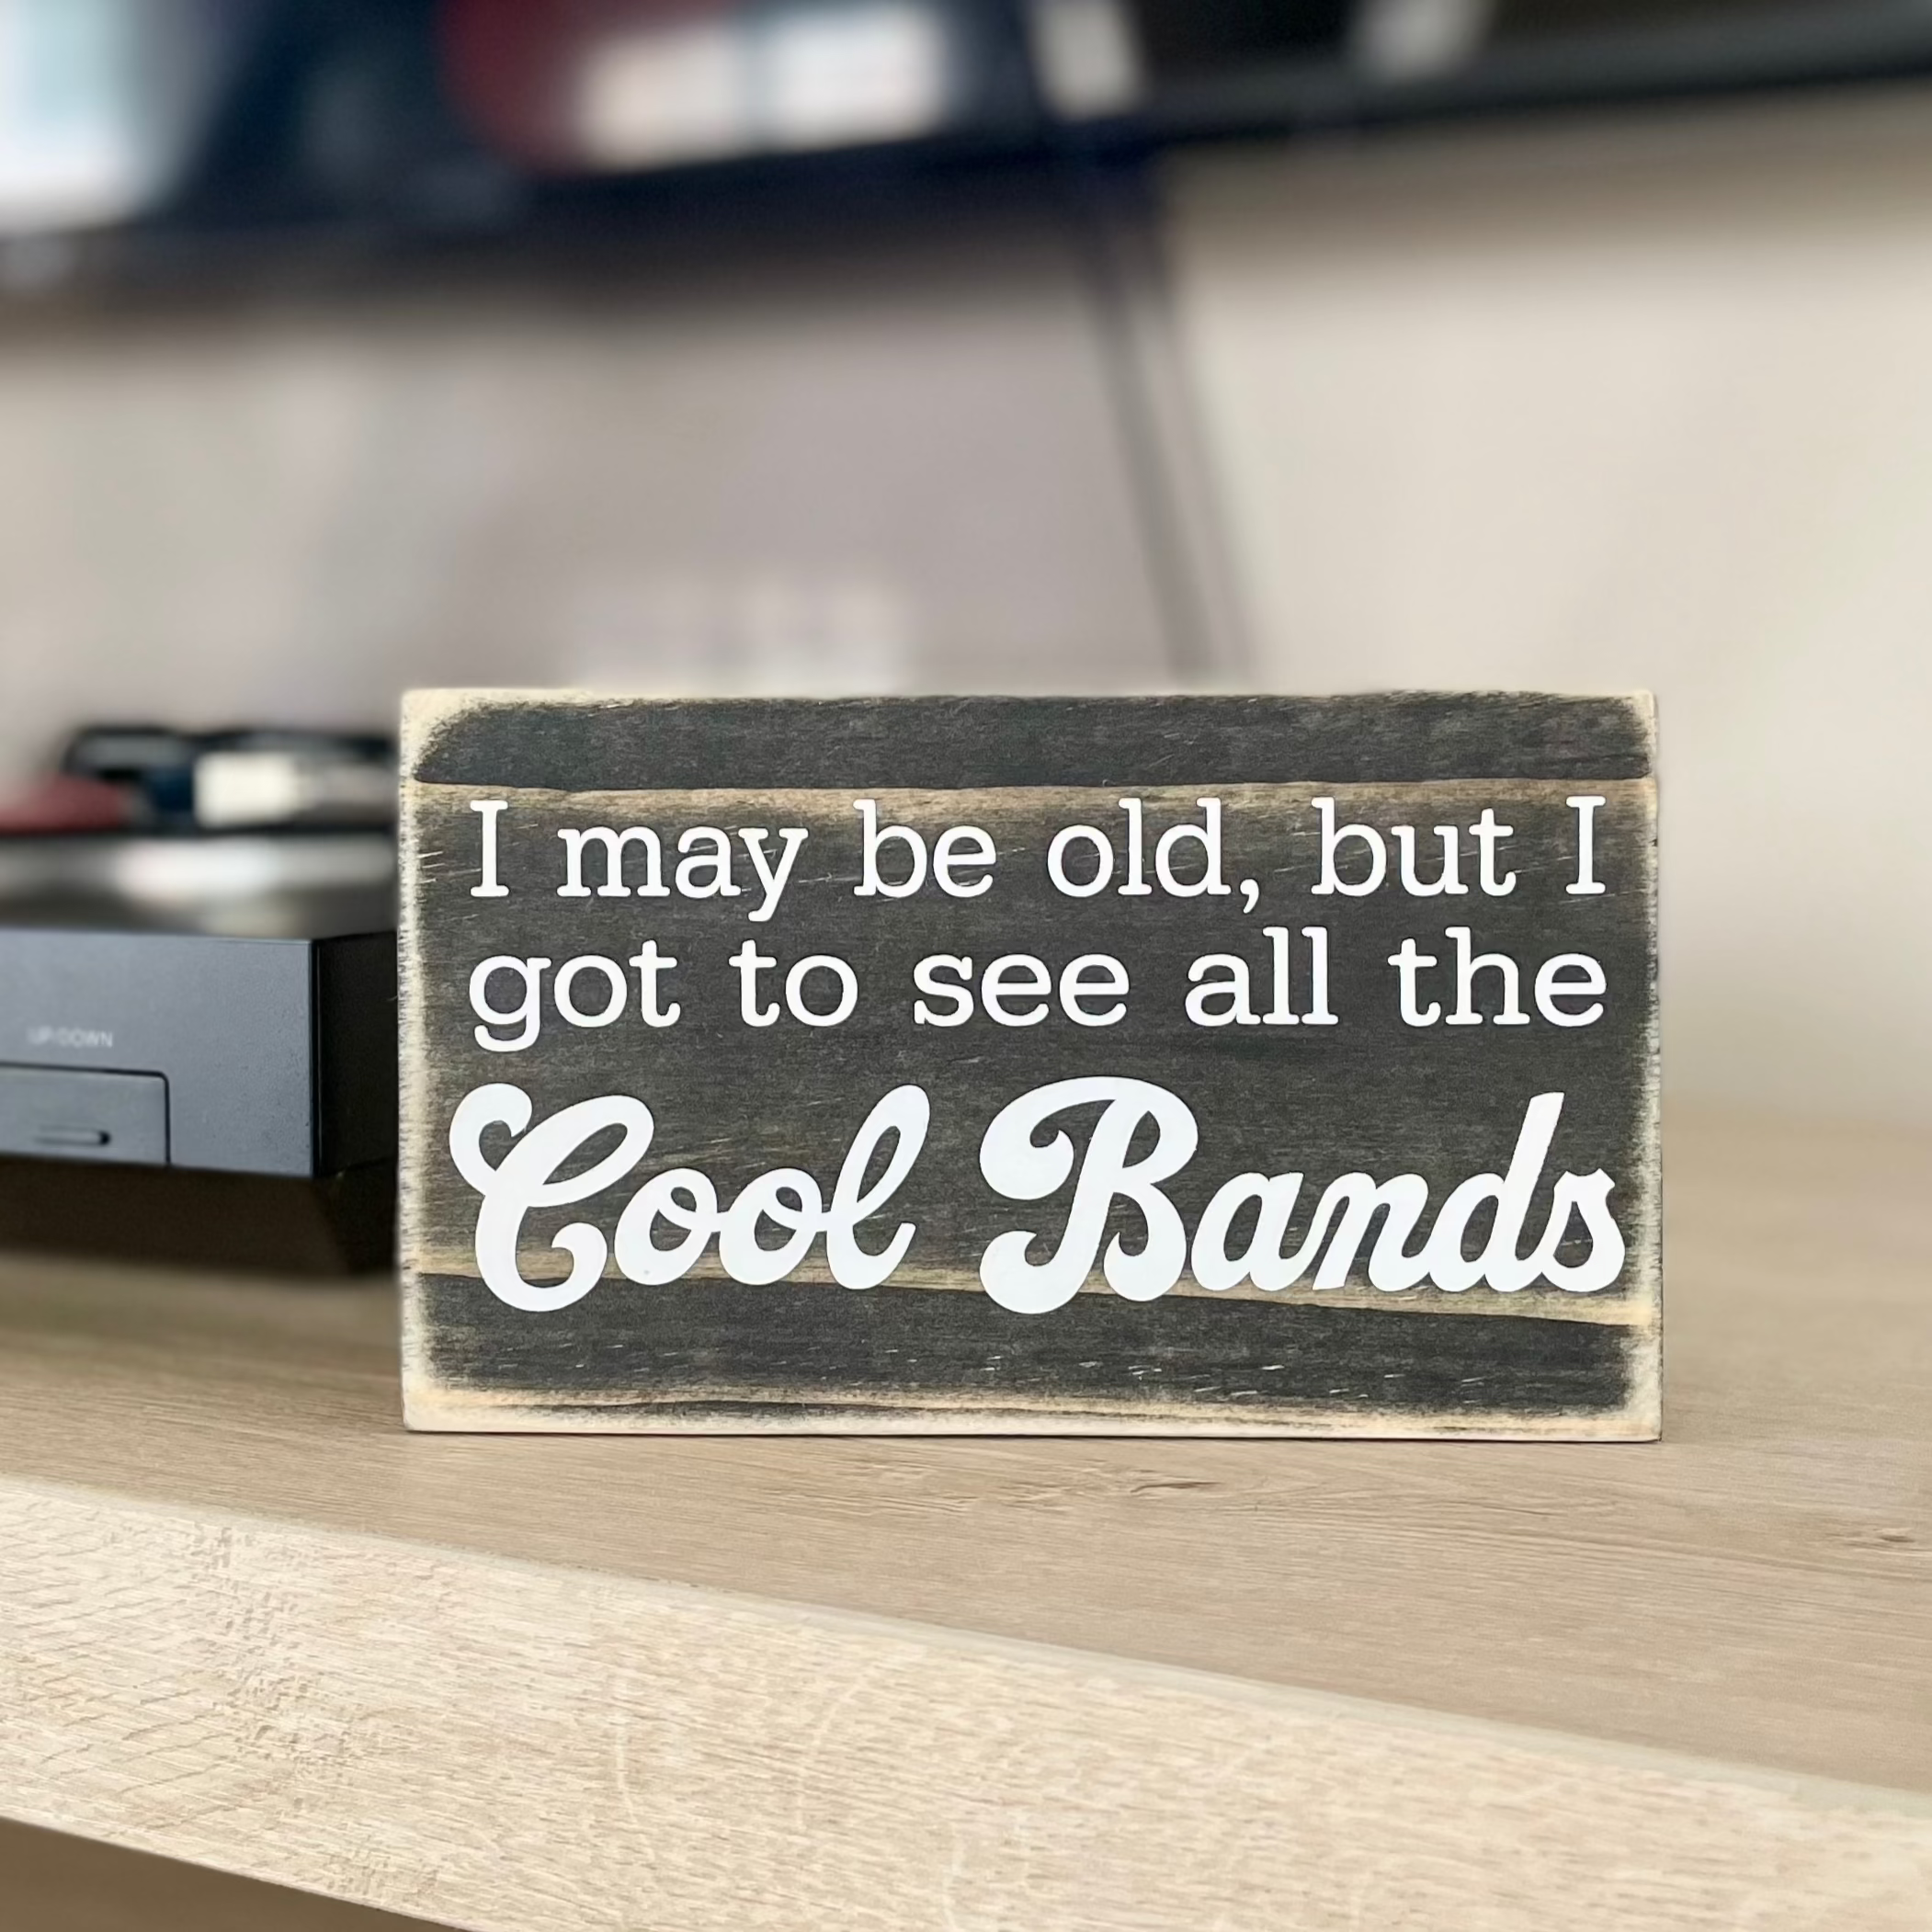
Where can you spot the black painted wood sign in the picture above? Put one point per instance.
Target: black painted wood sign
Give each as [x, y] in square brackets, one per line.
[1176, 1065]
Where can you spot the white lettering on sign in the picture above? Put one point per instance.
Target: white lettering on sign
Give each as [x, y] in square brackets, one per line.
[526, 1177]
[1018, 1167]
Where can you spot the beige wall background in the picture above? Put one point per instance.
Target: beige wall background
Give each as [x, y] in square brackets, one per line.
[1591, 405]
[877, 464]
[1599, 407]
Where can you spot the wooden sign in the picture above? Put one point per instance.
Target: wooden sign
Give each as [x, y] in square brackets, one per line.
[1203, 1065]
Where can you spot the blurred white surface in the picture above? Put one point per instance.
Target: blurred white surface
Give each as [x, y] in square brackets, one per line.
[1602, 406]
[101, 103]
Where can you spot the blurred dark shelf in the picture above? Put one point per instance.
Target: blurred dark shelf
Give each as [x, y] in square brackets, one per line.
[1786, 50]
[337, 153]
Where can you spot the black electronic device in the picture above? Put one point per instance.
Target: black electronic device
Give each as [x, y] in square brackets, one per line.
[198, 1047]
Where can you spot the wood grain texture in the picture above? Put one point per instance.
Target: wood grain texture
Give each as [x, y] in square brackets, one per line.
[1368, 1095]
[567, 742]
[542, 1751]
[246, 1620]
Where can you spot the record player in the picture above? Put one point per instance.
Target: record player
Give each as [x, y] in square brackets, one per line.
[197, 1026]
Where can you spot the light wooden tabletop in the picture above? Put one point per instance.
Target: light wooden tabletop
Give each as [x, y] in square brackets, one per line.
[540, 1682]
